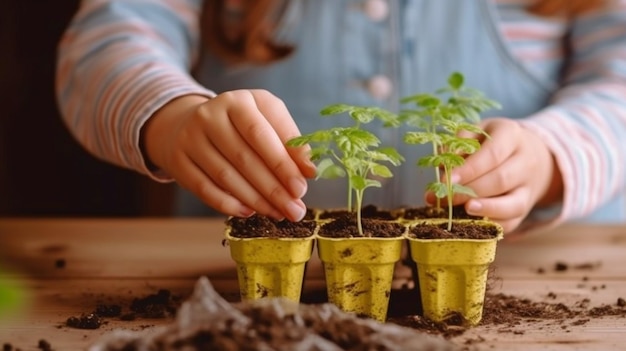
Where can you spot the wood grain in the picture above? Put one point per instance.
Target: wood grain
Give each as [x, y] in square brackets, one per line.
[115, 260]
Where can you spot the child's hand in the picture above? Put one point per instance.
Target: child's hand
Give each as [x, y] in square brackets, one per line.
[511, 173]
[229, 151]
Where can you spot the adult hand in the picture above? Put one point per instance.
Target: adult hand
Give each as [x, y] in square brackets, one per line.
[229, 151]
[511, 173]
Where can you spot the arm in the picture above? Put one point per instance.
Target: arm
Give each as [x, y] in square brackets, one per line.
[585, 127]
[118, 63]
[568, 156]
[122, 63]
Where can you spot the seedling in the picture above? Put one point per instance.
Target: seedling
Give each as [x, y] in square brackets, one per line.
[439, 118]
[352, 152]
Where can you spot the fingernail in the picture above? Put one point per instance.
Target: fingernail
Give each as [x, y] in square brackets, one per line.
[455, 178]
[474, 207]
[297, 187]
[245, 212]
[295, 211]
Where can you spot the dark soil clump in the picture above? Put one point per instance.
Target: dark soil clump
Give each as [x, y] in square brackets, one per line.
[44, 345]
[459, 231]
[108, 310]
[60, 263]
[508, 311]
[153, 306]
[85, 321]
[345, 226]
[207, 322]
[159, 305]
[257, 226]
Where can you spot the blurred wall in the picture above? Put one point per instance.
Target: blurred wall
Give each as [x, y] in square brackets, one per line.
[43, 170]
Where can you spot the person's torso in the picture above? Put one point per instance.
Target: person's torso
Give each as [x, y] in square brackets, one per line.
[355, 52]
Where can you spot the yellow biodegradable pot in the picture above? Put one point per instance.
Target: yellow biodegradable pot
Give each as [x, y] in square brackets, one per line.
[270, 267]
[359, 272]
[453, 272]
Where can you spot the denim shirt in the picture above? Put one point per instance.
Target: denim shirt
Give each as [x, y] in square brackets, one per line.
[349, 53]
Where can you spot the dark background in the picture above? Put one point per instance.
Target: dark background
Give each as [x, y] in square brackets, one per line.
[43, 170]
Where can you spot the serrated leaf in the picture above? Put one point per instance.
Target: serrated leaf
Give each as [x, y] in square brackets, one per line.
[439, 189]
[463, 145]
[451, 160]
[392, 154]
[319, 152]
[461, 189]
[298, 141]
[422, 138]
[327, 169]
[362, 115]
[335, 109]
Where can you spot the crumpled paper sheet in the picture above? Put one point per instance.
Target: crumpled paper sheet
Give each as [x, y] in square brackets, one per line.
[208, 322]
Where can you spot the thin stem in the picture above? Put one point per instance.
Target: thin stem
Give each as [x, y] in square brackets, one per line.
[437, 175]
[350, 209]
[450, 195]
[359, 201]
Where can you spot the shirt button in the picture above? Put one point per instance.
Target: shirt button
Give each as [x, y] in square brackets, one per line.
[376, 10]
[380, 87]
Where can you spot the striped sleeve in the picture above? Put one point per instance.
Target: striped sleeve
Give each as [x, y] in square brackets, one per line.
[585, 126]
[119, 61]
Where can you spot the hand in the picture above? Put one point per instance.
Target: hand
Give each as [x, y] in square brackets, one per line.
[229, 151]
[512, 172]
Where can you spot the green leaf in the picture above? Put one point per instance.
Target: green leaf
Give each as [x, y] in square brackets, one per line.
[460, 189]
[358, 182]
[463, 145]
[321, 136]
[298, 141]
[470, 128]
[381, 171]
[354, 164]
[319, 152]
[327, 169]
[455, 81]
[450, 160]
[422, 138]
[392, 154]
[438, 188]
[362, 115]
[369, 183]
[335, 109]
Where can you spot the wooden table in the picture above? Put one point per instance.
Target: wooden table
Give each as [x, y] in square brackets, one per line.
[112, 260]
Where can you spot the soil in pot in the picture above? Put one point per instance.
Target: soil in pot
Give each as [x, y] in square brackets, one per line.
[344, 225]
[460, 230]
[257, 226]
[423, 212]
[369, 211]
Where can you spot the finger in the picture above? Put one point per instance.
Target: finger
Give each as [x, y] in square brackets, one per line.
[515, 204]
[190, 177]
[280, 119]
[254, 128]
[206, 157]
[224, 133]
[493, 151]
[505, 177]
